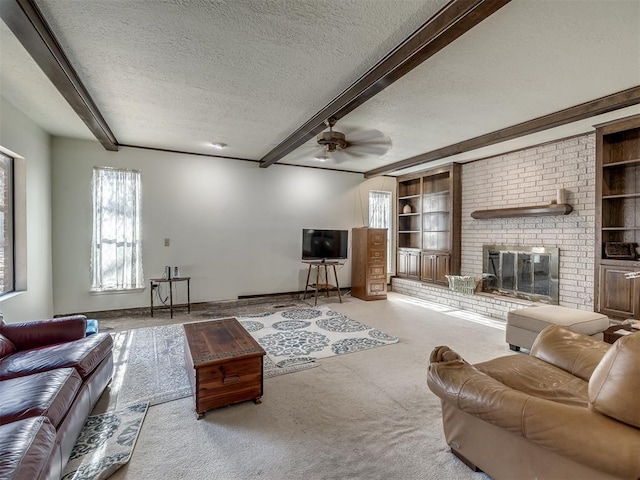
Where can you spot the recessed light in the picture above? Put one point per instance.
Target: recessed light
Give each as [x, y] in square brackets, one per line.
[218, 145]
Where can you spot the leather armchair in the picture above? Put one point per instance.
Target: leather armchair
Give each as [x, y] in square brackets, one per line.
[568, 410]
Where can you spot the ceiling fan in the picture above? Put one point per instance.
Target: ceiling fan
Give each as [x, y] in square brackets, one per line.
[339, 147]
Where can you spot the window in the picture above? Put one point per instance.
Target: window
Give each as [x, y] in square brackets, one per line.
[6, 225]
[380, 217]
[116, 253]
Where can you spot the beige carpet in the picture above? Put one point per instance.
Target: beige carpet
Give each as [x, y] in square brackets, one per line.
[367, 415]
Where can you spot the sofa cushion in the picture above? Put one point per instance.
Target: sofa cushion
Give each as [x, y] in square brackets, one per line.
[571, 351]
[615, 383]
[6, 346]
[47, 394]
[84, 354]
[25, 448]
[41, 333]
[539, 379]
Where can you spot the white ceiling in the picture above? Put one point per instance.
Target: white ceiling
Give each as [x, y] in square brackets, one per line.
[180, 74]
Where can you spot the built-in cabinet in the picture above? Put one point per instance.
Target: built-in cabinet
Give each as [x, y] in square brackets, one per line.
[434, 267]
[408, 263]
[428, 223]
[617, 218]
[369, 263]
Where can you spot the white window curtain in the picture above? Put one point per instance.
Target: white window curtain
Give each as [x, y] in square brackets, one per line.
[116, 254]
[380, 216]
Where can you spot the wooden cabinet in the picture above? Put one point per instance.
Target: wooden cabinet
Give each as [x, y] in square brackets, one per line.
[369, 263]
[435, 267]
[617, 217]
[408, 264]
[618, 294]
[429, 211]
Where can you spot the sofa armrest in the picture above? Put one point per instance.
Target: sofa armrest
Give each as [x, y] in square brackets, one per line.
[570, 351]
[565, 429]
[40, 333]
[475, 392]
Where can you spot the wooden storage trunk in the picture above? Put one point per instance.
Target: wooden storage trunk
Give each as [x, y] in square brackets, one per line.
[224, 363]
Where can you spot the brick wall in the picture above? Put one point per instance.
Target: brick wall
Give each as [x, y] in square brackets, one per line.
[528, 177]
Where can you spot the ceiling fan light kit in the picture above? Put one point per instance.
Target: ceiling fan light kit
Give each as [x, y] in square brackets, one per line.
[331, 140]
[219, 145]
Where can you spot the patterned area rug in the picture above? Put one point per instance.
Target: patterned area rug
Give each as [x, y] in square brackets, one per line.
[300, 336]
[105, 443]
[149, 366]
[149, 363]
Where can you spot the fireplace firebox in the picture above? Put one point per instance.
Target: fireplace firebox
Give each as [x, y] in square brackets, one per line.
[524, 272]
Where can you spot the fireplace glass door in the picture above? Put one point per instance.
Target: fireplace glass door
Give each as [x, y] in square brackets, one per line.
[524, 272]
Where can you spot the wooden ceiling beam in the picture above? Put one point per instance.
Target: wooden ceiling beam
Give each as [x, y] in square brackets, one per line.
[452, 21]
[609, 103]
[27, 23]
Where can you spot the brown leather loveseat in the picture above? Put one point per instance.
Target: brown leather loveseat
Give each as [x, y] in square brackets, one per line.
[569, 410]
[51, 377]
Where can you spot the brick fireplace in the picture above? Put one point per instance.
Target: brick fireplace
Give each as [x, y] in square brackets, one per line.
[526, 177]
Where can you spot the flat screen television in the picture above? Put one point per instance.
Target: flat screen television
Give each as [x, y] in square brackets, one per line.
[322, 245]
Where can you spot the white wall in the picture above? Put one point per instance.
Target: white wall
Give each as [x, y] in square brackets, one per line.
[23, 137]
[234, 228]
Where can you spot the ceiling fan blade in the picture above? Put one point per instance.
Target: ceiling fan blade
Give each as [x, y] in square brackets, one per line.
[361, 136]
[339, 156]
[307, 151]
[365, 149]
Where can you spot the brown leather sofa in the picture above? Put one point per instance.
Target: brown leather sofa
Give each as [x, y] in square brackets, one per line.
[569, 410]
[51, 377]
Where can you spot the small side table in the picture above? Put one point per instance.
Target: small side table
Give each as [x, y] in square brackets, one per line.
[171, 281]
[610, 336]
[326, 286]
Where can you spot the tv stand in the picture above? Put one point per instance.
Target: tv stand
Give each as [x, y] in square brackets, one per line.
[326, 286]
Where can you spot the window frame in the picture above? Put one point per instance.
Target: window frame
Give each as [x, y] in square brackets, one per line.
[7, 209]
[19, 213]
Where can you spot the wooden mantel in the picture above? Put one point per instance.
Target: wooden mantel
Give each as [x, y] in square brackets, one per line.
[552, 209]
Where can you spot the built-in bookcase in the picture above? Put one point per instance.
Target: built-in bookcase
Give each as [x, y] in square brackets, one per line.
[429, 224]
[618, 217]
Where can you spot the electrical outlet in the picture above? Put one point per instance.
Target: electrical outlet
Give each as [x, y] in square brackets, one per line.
[167, 242]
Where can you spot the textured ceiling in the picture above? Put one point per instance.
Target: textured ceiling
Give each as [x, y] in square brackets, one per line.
[528, 59]
[180, 74]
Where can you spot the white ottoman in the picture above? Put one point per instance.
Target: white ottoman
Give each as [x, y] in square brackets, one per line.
[524, 324]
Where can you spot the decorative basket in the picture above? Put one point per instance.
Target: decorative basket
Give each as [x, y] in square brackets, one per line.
[462, 284]
[620, 250]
